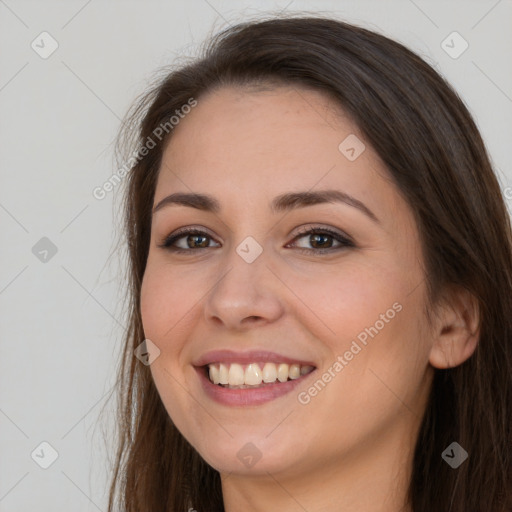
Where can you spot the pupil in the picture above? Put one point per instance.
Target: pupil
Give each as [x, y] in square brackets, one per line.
[197, 236]
[320, 236]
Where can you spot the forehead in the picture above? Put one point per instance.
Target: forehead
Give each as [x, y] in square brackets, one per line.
[245, 145]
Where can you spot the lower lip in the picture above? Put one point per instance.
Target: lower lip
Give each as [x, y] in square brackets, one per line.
[247, 396]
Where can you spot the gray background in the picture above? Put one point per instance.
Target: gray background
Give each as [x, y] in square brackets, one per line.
[61, 320]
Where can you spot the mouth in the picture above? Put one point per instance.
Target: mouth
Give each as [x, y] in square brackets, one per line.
[255, 374]
[250, 378]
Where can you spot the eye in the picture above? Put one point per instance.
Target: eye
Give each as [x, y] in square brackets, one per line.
[320, 238]
[193, 239]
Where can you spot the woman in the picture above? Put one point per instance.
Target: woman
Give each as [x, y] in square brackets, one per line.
[321, 272]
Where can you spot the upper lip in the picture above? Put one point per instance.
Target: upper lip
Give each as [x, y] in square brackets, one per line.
[252, 356]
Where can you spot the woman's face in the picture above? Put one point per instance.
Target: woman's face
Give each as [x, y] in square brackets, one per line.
[332, 330]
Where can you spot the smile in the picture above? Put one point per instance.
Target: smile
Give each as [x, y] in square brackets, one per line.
[250, 378]
[238, 376]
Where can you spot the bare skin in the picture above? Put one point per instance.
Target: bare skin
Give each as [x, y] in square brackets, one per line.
[349, 445]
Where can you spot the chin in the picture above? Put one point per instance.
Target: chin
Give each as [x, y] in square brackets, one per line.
[250, 455]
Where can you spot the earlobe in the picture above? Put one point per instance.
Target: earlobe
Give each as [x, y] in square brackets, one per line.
[457, 331]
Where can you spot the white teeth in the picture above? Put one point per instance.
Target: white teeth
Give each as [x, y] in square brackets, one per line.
[282, 372]
[234, 374]
[214, 374]
[269, 372]
[253, 375]
[223, 374]
[294, 371]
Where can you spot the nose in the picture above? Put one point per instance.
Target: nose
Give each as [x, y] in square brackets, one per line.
[245, 295]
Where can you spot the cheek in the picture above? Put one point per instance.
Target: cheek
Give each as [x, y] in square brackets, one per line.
[354, 299]
[376, 325]
[384, 354]
[164, 301]
[164, 305]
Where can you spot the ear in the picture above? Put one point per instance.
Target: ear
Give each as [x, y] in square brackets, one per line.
[457, 329]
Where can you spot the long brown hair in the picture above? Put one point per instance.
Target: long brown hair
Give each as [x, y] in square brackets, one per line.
[432, 148]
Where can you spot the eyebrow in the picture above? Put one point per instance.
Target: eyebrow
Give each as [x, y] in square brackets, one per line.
[282, 203]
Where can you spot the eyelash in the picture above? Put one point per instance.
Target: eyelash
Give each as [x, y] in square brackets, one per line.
[345, 241]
